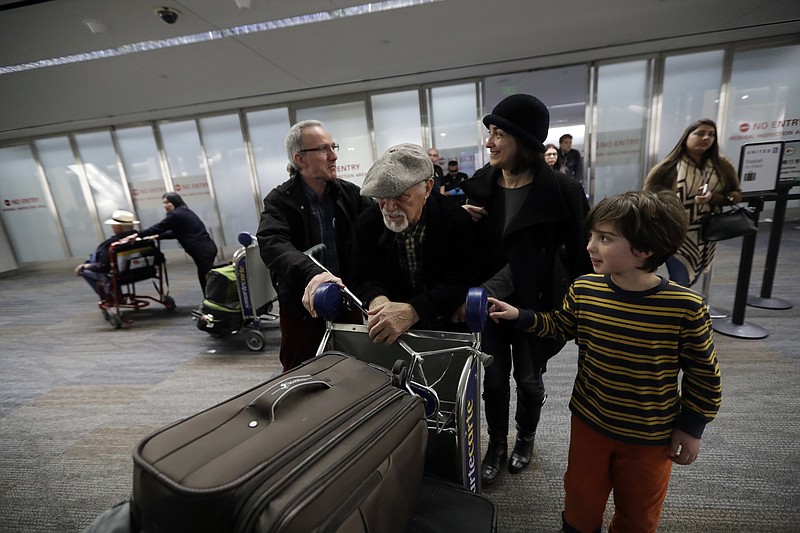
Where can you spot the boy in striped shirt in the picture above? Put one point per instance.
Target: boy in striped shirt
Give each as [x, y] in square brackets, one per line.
[636, 331]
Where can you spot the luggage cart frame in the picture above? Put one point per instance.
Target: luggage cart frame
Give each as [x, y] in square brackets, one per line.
[257, 296]
[444, 368]
[132, 262]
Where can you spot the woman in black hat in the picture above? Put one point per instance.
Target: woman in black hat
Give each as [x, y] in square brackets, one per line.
[526, 214]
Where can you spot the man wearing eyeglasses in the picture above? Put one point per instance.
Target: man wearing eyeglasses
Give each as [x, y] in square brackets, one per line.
[313, 206]
[416, 249]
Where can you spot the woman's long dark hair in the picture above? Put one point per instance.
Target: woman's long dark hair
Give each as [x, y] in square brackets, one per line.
[526, 158]
[664, 173]
[175, 199]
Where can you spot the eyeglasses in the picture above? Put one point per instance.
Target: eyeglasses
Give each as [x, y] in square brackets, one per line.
[551, 154]
[325, 149]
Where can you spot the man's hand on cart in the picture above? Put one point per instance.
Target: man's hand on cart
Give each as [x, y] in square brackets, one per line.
[388, 320]
[313, 285]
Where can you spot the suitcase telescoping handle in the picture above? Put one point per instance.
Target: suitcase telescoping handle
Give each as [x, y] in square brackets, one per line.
[267, 402]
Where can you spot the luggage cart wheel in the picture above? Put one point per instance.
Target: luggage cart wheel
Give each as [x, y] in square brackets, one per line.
[400, 374]
[115, 320]
[255, 340]
[476, 309]
[169, 303]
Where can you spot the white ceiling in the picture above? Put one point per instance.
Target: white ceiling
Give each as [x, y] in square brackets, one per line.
[421, 44]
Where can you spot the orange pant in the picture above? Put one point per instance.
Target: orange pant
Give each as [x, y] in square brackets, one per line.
[639, 476]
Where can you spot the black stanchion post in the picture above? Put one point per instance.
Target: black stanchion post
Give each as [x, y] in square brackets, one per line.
[766, 301]
[736, 326]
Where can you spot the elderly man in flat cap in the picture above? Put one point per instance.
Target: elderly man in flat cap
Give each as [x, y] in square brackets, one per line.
[415, 250]
[95, 269]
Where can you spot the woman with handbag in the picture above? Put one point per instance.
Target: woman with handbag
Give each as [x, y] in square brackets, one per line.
[704, 181]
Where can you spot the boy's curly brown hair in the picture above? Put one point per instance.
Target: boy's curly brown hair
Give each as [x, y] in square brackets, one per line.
[652, 221]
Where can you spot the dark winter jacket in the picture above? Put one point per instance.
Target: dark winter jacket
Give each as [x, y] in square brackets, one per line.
[449, 262]
[551, 216]
[184, 225]
[285, 232]
[99, 261]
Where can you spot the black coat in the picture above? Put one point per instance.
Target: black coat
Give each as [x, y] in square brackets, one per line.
[285, 232]
[449, 262]
[184, 225]
[552, 216]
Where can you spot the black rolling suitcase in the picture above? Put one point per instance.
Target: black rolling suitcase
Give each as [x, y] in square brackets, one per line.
[329, 446]
[446, 507]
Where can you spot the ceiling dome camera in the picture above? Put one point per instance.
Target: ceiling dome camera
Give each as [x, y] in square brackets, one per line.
[167, 14]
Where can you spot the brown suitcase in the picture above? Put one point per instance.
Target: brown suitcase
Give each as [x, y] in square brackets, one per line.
[329, 446]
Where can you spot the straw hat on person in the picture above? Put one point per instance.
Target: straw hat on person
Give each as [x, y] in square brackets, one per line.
[122, 218]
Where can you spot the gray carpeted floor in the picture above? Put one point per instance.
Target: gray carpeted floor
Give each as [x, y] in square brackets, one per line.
[76, 396]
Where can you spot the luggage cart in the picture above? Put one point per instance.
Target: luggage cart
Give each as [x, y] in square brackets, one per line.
[444, 368]
[257, 297]
[132, 262]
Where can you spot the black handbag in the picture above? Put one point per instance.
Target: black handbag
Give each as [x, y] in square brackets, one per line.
[728, 224]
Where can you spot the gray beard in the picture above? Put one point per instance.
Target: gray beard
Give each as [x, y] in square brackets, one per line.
[397, 227]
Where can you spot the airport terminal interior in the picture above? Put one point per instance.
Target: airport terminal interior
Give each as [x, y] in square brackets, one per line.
[109, 104]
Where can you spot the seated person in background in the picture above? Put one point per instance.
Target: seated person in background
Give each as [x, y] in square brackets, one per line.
[416, 250]
[95, 269]
[451, 182]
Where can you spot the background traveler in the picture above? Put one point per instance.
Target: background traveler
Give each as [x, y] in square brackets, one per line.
[438, 172]
[451, 183]
[572, 158]
[553, 158]
[703, 180]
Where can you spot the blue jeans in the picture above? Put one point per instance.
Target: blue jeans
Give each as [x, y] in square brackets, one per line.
[99, 282]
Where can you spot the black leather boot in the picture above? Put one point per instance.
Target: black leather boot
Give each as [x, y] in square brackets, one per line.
[521, 456]
[496, 455]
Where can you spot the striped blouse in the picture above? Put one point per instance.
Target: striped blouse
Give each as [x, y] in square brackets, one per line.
[632, 347]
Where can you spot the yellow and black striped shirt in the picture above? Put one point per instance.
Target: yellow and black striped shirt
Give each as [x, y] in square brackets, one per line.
[632, 347]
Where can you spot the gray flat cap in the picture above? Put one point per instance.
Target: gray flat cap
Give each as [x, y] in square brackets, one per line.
[395, 171]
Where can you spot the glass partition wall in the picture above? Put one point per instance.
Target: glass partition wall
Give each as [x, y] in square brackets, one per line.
[623, 115]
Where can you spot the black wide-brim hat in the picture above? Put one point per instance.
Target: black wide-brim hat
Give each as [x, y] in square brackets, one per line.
[523, 116]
